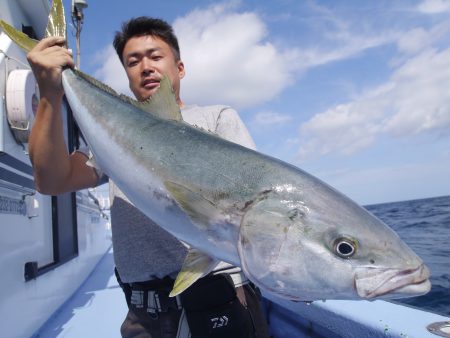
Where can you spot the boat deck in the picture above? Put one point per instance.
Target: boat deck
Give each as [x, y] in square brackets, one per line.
[97, 309]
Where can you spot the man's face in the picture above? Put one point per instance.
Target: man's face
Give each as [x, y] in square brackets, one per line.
[146, 60]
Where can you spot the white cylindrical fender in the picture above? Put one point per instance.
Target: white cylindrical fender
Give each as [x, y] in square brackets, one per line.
[22, 98]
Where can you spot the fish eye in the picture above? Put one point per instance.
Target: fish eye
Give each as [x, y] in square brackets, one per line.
[345, 247]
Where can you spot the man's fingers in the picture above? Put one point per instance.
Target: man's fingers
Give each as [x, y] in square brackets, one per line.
[49, 42]
[61, 57]
[70, 63]
[55, 53]
[57, 49]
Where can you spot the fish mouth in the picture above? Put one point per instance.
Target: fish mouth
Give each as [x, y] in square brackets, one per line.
[392, 283]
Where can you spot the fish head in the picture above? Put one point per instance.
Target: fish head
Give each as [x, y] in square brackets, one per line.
[310, 242]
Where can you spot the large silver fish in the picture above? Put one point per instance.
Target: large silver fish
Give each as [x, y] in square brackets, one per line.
[293, 235]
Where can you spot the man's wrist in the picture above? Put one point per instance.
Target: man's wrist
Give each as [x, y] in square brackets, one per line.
[53, 100]
[52, 96]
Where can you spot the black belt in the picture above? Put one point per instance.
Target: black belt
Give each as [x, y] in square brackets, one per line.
[150, 296]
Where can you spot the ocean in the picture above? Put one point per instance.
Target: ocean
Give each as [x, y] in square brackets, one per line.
[425, 226]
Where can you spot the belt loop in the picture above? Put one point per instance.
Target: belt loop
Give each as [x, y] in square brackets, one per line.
[178, 300]
[158, 303]
[137, 298]
[153, 298]
[151, 307]
[153, 302]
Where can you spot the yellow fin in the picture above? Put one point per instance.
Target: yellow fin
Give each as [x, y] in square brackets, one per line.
[196, 265]
[199, 209]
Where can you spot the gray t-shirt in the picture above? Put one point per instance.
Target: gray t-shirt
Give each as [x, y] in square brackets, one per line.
[144, 251]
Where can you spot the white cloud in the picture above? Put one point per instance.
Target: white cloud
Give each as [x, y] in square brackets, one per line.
[346, 128]
[416, 100]
[318, 56]
[418, 39]
[228, 58]
[339, 37]
[421, 99]
[414, 40]
[434, 6]
[264, 119]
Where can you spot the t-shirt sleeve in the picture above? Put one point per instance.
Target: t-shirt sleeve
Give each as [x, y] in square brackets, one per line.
[102, 178]
[230, 127]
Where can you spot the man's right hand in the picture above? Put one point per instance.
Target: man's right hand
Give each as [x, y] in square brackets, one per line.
[47, 59]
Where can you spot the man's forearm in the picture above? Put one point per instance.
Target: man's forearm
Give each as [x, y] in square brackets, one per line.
[48, 152]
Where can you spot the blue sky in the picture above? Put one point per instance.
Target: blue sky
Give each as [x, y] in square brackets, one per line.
[355, 92]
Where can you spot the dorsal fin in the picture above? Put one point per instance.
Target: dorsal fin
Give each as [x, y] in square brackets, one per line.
[101, 85]
[163, 102]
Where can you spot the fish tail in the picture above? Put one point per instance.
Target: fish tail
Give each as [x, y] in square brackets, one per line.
[56, 26]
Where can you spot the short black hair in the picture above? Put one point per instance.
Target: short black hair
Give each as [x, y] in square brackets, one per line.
[142, 26]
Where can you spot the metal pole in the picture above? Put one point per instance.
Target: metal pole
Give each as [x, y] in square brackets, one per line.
[77, 19]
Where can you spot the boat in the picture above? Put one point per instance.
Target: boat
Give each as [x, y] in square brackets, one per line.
[48, 244]
[56, 256]
[98, 308]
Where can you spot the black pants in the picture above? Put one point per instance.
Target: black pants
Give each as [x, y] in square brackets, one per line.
[165, 326]
[139, 324]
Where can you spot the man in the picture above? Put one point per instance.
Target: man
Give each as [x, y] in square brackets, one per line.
[147, 258]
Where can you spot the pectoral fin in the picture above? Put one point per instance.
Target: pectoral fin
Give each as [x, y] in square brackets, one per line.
[195, 266]
[200, 210]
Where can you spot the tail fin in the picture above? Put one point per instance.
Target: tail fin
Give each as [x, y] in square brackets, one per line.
[21, 39]
[56, 26]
